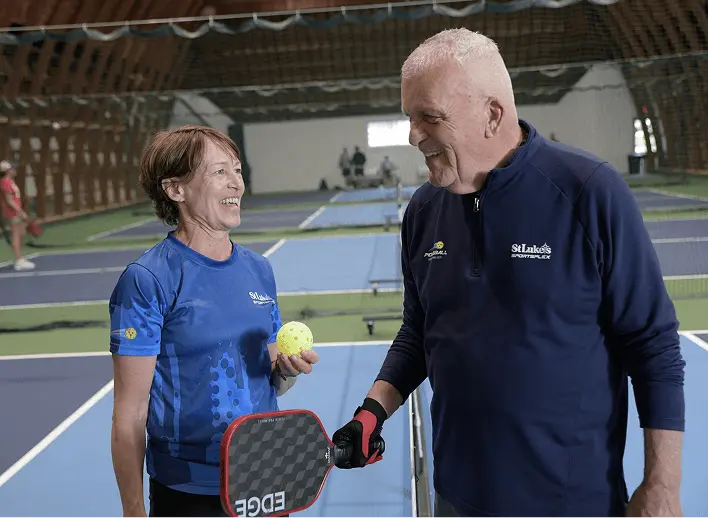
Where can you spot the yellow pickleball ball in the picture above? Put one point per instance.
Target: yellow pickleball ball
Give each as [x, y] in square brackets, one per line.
[294, 337]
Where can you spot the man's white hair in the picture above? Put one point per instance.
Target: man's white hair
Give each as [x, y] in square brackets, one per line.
[465, 47]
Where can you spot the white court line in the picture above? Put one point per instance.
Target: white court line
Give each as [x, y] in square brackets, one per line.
[119, 229]
[83, 409]
[44, 305]
[691, 335]
[676, 195]
[43, 356]
[692, 277]
[90, 354]
[274, 248]
[674, 240]
[10, 263]
[108, 269]
[47, 273]
[54, 434]
[671, 220]
[312, 216]
[336, 196]
[106, 250]
[334, 292]
[246, 243]
[50, 356]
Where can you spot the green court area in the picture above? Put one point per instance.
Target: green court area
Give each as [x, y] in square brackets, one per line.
[84, 327]
[333, 317]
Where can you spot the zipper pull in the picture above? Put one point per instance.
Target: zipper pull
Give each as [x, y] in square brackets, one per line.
[476, 203]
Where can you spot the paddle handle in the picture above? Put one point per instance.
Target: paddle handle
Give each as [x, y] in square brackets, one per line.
[343, 452]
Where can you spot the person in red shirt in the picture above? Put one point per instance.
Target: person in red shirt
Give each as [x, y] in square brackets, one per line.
[12, 213]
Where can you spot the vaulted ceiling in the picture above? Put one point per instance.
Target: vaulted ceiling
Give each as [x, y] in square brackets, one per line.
[349, 68]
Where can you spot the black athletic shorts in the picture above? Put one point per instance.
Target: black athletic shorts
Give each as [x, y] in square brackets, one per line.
[170, 502]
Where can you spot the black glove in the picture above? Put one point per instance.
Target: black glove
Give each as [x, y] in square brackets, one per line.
[361, 437]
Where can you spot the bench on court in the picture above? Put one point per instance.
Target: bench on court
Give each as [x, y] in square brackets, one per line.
[371, 320]
[389, 219]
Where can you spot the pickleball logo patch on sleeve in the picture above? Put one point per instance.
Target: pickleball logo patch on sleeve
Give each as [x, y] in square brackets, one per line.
[436, 251]
[128, 333]
[257, 506]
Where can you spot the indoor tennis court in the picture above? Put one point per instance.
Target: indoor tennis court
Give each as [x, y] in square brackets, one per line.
[310, 91]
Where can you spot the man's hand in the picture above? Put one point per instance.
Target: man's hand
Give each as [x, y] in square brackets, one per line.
[655, 500]
[360, 433]
[294, 365]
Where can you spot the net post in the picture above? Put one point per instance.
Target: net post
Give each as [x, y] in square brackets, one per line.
[420, 481]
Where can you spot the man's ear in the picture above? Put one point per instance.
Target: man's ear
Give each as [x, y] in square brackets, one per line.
[173, 189]
[495, 115]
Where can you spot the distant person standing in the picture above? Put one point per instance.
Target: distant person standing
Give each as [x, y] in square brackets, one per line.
[12, 213]
[386, 169]
[359, 161]
[345, 164]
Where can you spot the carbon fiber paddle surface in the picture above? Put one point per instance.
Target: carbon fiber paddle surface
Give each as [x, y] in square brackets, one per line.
[274, 464]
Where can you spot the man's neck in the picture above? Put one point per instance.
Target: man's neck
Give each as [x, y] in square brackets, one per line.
[516, 138]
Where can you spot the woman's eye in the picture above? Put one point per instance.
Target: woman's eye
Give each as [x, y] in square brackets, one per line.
[221, 171]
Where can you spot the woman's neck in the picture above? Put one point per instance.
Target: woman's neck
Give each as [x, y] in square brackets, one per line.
[212, 244]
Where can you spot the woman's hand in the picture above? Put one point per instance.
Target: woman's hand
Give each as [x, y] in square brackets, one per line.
[295, 364]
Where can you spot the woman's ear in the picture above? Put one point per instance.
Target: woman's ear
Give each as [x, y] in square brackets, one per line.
[173, 189]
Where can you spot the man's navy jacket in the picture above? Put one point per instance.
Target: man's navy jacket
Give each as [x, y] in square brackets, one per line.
[527, 305]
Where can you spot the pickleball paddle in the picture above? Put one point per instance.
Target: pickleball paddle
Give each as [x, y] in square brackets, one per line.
[34, 228]
[276, 463]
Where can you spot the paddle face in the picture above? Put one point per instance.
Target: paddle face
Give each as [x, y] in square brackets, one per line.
[34, 229]
[274, 464]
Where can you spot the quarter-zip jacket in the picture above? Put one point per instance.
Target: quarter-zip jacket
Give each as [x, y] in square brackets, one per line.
[527, 305]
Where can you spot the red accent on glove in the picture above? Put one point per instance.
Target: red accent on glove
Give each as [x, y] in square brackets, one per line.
[368, 422]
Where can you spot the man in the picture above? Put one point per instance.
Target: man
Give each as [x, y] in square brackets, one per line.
[13, 215]
[531, 290]
[358, 161]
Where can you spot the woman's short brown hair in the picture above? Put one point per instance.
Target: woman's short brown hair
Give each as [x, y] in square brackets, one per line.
[178, 154]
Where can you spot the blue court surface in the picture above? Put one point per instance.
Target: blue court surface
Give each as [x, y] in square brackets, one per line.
[373, 214]
[56, 461]
[303, 265]
[364, 214]
[374, 194]
[384, 209]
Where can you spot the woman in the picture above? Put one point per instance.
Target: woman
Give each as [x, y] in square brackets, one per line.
[12, 213]
[192, 349]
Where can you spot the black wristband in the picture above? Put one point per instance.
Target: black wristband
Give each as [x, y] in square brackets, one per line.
[373, 406]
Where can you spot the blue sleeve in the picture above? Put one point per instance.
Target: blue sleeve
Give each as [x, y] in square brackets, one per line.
[404, 366]
[276, 320]
[136, 309]
[638, 315]
[275, 317]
